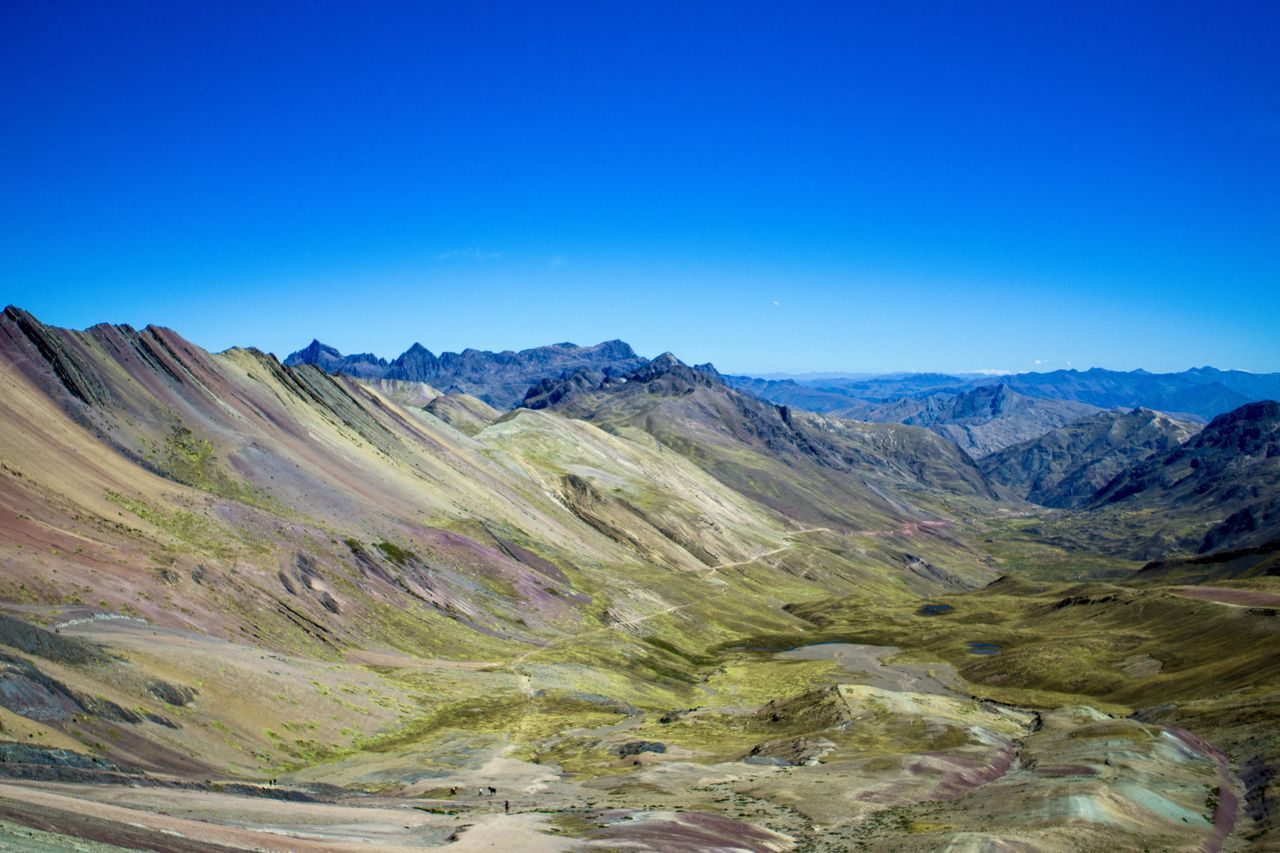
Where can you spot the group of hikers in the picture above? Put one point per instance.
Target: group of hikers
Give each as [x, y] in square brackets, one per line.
[484, 792]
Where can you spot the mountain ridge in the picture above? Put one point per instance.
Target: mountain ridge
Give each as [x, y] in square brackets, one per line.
[1198, 393]
[498, 378]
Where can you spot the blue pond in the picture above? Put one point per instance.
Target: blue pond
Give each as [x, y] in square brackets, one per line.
[977, 648]
[935, 609]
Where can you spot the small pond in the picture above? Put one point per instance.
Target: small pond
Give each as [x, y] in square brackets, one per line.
[979, 648]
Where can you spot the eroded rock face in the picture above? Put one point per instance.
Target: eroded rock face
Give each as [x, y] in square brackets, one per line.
[38, 641]
[791, 752]
[172, 694]
[28, 692]
[1229, 470]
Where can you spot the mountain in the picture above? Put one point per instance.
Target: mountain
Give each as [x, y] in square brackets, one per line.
[982, 420]
[1229, 473]
[1201, 393]
[499, 379]
[821, 470]
[1068, 465]
[789, 392]
[1197, 394]
[365, 365]
[156, 496]
[246, 605]
[844, 396]
[462, 411]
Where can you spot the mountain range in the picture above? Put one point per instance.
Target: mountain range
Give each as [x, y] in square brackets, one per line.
[981, 414]
[1197, 394]
[342, 603]
[498, 378]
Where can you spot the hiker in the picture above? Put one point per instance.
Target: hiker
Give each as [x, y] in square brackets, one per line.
[480, 793]
[506, 806]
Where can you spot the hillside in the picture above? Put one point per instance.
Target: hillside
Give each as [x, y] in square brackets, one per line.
[821, 470]
[1066, 466]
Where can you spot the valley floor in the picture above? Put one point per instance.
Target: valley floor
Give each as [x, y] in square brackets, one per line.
[799, 742]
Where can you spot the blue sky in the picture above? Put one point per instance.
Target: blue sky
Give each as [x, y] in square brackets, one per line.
[771, 187]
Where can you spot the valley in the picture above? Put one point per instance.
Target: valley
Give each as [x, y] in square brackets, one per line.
[588, 600]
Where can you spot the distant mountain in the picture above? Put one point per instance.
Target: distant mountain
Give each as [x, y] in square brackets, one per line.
[1068, 465]
[364, 365]
[1228, 473]
[1197, 394]
[982, 420]
[1203, 392]
[499, 379]
[845, 396]
[789, 392]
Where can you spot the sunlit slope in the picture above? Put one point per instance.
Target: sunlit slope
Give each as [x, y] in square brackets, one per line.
[607, 606]
[317, 517]
[324, 494]
[232, 460]
[848, 477]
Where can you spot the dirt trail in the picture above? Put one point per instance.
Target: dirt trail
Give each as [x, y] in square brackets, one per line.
[1226, 812]
[711, 570]
[502, 832]
[625, 623]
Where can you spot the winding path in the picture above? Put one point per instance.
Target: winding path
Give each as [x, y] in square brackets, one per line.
[631, 622]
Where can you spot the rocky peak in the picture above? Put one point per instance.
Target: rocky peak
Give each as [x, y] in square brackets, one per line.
[313, 353]
[416, 364]
[674, 374]
[616, 349]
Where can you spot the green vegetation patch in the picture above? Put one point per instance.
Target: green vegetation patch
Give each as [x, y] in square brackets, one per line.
[191, 460]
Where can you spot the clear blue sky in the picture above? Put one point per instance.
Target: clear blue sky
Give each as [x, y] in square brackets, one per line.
[772, 187]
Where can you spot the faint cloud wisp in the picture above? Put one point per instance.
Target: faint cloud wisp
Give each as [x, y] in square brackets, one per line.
[472, 254]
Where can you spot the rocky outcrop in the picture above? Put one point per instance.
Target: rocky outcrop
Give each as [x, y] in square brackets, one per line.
[791, 752]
